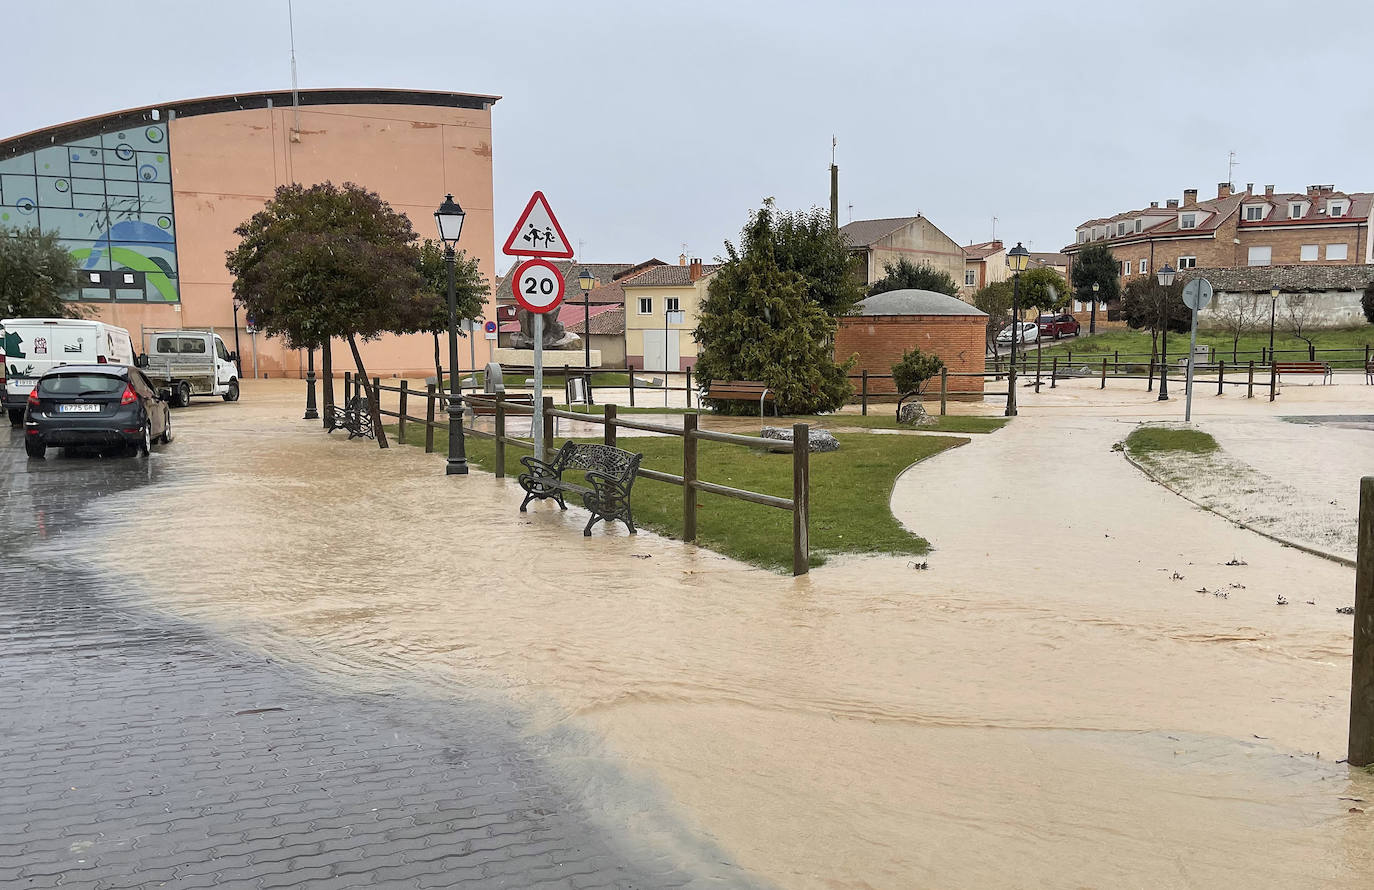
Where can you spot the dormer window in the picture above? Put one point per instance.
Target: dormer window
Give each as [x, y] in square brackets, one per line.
[1295, 211]
[1120, 228]
[1138, 226]
[1254, 213]
[1335, 208]
[1187, 220]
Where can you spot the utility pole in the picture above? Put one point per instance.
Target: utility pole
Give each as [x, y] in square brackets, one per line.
[834, 187]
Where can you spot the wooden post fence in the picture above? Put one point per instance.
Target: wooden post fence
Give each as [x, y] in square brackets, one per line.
[401, 421]
[1361, 752]
[689, 387]
[864, 396]
[631, 368]
[689, 477]
[429, 418]
[801, 507]
[500, 399]
[944, 390]
[1250, 381]
[1104, 374]
[1054, 373]
[1273, 381]
[610, 426]
[1221, 374]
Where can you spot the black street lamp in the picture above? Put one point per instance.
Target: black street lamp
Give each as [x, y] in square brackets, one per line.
[586, 282]
[311, 412]
[1166, 279]
[1017, 260]
[449, 217]
[1273, 309]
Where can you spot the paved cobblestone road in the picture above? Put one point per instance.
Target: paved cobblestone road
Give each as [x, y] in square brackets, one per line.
[140, 751]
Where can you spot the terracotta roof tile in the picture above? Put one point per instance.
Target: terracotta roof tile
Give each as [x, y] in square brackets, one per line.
[666, 276]
[864, 232]
[982, 251]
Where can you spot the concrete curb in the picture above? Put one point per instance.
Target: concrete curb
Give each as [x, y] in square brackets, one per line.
[1305, 548]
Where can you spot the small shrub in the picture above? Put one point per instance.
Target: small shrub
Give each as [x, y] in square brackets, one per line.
[914, 369]
[1155, 439]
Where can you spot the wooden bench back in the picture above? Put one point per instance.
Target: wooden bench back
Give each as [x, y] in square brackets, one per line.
[1301, 367]
[726, 390]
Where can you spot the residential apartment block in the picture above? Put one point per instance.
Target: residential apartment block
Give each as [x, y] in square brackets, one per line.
[1236, 229]
[983, 264]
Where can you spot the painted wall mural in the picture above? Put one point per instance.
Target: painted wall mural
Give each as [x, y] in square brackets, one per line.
[109, 199]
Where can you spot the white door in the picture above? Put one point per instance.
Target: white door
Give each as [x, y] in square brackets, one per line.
[654, 351]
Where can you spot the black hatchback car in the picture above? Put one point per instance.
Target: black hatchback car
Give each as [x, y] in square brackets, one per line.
[103, 406]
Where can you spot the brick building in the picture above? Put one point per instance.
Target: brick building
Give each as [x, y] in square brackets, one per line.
[891, 323]
[1237, 229]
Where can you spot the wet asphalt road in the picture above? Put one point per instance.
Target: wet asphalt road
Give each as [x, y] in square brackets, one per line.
[137, 750]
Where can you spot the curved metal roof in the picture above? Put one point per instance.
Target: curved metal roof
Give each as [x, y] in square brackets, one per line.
[165, 111]
[916, 302]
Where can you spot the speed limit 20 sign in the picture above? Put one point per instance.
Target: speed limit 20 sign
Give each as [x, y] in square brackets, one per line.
[537, 285]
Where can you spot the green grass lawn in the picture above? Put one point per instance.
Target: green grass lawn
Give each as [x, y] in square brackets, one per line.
[1137, 343]
[1152, 440]
[877, 419]
[850, 493]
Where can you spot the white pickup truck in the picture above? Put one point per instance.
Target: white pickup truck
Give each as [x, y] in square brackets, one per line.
[191, 362]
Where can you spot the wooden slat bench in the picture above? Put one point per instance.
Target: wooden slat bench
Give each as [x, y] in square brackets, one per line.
[521, 399]
[742, 391]
[1322, 368]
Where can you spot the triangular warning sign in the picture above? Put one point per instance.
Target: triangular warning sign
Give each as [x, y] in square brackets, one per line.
[538, 232]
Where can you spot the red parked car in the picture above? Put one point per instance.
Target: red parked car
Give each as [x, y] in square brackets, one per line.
[1057, 326]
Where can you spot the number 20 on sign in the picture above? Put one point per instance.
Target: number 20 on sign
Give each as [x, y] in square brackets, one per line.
[537, 285]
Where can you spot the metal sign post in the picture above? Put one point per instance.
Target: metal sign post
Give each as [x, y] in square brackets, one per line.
[538, 286]
[1197, 294]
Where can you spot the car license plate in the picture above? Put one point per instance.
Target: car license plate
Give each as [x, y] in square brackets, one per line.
[78, 409]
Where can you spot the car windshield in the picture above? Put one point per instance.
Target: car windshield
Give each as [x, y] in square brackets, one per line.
[80, 385]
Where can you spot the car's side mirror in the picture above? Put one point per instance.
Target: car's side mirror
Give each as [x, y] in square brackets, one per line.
[234, 357]
[141, 360]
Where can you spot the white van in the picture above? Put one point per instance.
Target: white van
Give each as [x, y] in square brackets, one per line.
[191, 362]
[35, 345]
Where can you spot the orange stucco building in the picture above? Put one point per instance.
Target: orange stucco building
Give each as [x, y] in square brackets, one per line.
[148, 199]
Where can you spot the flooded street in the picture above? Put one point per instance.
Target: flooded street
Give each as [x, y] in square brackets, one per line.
[1046, 706]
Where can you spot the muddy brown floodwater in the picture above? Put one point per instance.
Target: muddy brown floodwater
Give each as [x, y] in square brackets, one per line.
[1044, 707]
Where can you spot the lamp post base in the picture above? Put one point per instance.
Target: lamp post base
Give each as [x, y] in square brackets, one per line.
[457, 452]
[311, 412]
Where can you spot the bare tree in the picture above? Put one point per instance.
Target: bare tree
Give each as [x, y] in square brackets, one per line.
[1237, 315]
[1298, 317]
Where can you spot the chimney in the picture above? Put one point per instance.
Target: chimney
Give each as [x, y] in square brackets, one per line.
[694, 271]
[1154, 203]
[1223, 189]
[1171, 204]
[1268, 191]
[682, 259]
[1249, 187]
[1189, 197]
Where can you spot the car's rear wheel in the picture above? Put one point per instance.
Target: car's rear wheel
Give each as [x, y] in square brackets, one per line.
[16, 416]
[167, 429]
[183, 395]
[35, 447]
[233, 394]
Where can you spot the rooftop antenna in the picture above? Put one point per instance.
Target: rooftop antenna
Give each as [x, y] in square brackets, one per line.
[295, 93]
[994, 228]
[1231, 170]
[851, 211]
[580, 257]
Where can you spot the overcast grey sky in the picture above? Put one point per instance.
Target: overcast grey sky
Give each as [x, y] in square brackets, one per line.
[653, 124]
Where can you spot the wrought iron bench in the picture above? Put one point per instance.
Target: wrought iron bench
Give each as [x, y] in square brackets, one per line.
[355, 417]
[610, 476]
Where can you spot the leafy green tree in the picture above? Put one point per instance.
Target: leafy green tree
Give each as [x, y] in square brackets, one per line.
[325, 261]
[803, 242]
[1096, 265]
[906, 274]
[759, 321]
[36, 273]
[914, 369]
[1043, 289]
[471, 289]
[995, 300]
[1367, 302]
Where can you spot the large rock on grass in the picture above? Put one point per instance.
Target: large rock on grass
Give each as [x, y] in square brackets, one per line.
[821, 440]
[913, 413]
